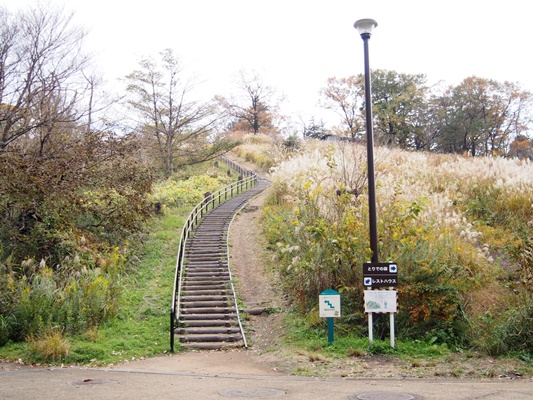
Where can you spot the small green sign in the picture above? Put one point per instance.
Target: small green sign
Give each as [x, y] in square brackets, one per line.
[330, 307]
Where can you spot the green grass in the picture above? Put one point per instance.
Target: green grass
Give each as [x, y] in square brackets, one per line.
[305, 336]
[315, 339]
[141, 329]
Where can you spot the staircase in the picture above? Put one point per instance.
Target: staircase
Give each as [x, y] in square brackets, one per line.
[208, 317]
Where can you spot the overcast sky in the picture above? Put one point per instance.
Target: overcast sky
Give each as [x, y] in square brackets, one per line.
[295, 45]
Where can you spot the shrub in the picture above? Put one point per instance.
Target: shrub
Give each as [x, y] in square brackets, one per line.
[72, 297]
[432, 214]
[292, 143]
[189, 192]
[81, 286]
[91, 184]
[507, 332]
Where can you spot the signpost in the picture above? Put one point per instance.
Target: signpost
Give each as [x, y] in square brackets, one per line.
[377, 275]
[330, 307]
[380, 275]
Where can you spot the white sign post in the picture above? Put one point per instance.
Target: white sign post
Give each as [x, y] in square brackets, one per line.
[381, 301]
[330, 304]
[380, 275]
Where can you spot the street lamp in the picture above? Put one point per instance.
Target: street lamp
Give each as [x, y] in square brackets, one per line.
[365, 26]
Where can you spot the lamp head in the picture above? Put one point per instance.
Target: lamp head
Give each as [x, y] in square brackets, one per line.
[365, 26]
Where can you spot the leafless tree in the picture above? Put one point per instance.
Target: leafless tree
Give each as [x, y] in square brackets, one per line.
[41, 61]
[256, 105]
[345, 97]
[51, 159]
[182, 128]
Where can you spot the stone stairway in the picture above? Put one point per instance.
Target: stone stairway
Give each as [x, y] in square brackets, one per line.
[208, 317]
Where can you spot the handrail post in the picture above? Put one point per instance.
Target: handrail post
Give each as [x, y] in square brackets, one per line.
[172, 329]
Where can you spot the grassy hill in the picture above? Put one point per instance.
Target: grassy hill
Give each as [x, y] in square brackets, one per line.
[459, 228]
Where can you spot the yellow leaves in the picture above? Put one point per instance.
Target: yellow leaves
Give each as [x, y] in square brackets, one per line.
[71, 288]
[47, 273]
[99, 283]
[419, 221]
[185, 192]
[425, 270]
[11, 285]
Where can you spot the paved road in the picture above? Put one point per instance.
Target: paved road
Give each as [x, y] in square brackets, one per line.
[135, 383]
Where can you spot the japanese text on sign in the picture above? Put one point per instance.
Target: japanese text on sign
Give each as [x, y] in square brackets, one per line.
[380, 268]
[380, 274]
[380, 280]
[384, 281]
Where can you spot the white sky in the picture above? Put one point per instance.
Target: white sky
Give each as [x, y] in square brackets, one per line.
[295, 45]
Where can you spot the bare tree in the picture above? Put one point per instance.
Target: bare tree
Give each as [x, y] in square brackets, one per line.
[41, 60]
[255, 107]
[182, 128]
[345, 97]
[99, 103]
[58, 178]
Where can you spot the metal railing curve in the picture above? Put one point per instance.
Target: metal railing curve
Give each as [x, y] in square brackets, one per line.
[247, 180]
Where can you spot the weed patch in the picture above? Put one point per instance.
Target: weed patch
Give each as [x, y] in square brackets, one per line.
[49, 347]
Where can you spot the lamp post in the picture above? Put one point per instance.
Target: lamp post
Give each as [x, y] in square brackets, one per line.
[365, 26]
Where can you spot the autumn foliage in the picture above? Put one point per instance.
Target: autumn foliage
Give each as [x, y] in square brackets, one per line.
[459, 229]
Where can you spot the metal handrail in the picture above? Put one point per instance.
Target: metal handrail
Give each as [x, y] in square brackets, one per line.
[236, 167]
[239, 321]
[193, 220]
